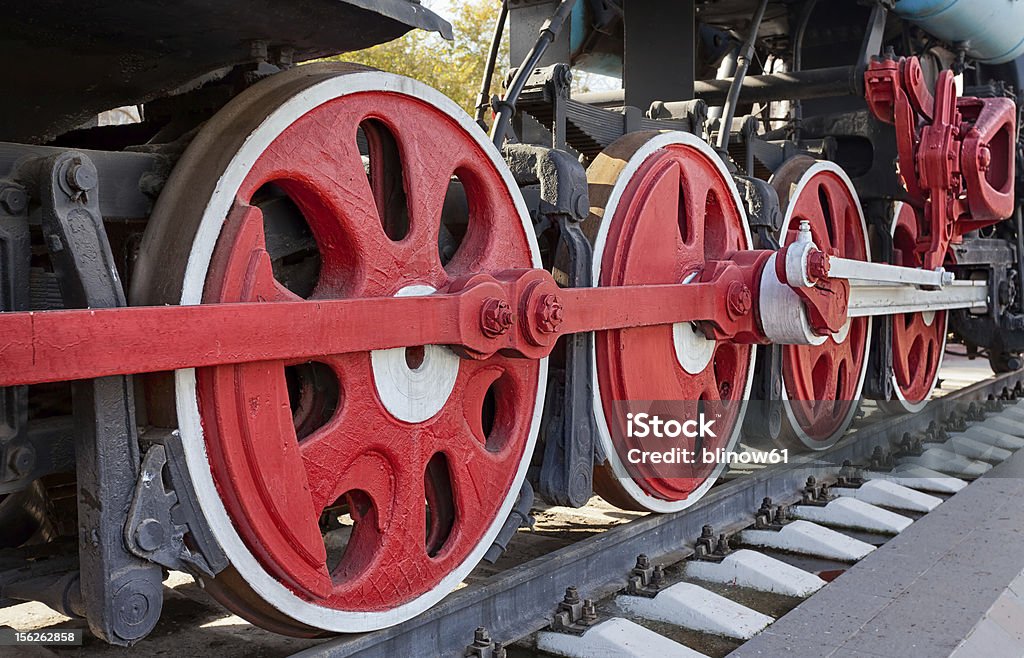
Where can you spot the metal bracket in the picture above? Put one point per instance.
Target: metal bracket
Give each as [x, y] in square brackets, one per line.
[815, 494]
[645, 579]
[574, 615]
[710, 549]
[484, 647]
[850, 476]
[17, 457]
[122, 594]
[160, 517]
[562, 179]
[566, 476]
[771, 517]
[762, 201]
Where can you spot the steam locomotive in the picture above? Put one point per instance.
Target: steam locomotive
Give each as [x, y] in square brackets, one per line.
[314, 335]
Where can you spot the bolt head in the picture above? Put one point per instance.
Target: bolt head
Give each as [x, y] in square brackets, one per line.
[14, 200]
[818, 265]
[496, 317]
[984, 158]
[739, 299]
[581, 206]
[550, 314]
[82, 176]
[149, 535]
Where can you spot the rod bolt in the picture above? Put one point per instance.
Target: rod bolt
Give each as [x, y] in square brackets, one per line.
[496, 318]
[984, 158]
[149, 535]
[572, 596]
[82, 176]
[818, 265]
[14, 200]
[550, 314]
[739, 299]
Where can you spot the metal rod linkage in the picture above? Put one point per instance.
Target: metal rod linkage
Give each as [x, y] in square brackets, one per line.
[846, 268]
[870, 299]
[483, 101]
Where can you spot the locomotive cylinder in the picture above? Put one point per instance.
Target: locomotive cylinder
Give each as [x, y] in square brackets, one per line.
[989, 29]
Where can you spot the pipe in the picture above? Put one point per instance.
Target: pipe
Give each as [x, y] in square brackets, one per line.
[507, 106]
[815, 83]
[483, 101]
[798, 58]
[60, 591]
[742, 64]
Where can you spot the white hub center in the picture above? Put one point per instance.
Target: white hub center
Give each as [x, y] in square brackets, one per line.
[694, 350]
[414, 384]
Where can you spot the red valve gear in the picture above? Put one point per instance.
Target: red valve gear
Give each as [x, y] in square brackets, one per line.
[956, 155]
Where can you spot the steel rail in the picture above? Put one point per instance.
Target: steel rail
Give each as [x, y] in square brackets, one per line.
[520, 601]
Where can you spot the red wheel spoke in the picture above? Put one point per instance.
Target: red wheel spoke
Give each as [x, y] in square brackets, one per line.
[261, 424]
[246, 258]
[660, 213]
[836, 198]
[696, 189]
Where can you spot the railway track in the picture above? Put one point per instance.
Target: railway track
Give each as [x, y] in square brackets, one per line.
[517, 599]
[515, 604]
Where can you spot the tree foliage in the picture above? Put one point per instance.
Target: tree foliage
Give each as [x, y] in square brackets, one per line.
[454, 68]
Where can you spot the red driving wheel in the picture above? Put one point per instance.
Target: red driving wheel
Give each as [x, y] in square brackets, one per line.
[665, 206]
[918, 339]
[351, 491]
[822, 384]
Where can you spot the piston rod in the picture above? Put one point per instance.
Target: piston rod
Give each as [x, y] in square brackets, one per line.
[869, 299]
[846, 268]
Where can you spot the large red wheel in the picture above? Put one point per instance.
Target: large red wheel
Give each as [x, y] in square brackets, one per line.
[665, 205]
[918, 339]
[353, 491]
[821, 384]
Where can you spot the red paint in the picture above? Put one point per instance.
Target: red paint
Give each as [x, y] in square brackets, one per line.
[956, 155]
